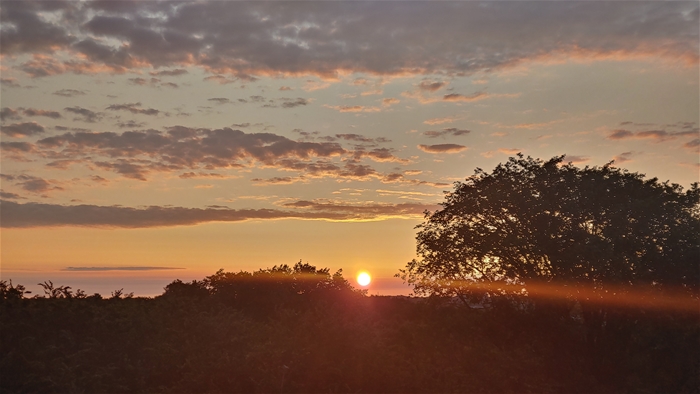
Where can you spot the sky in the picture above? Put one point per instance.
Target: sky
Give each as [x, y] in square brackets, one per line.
[144, 141]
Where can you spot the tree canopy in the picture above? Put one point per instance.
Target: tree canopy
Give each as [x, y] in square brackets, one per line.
[533, 221]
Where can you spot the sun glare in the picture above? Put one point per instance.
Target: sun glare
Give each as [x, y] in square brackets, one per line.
[363, 279]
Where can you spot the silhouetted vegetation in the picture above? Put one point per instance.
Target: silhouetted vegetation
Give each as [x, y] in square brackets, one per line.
[303, 330]
[539, 277]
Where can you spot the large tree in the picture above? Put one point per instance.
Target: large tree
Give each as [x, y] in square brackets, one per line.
[579, 232]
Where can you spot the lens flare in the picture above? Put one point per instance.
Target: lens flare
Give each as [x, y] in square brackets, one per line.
[363, 279]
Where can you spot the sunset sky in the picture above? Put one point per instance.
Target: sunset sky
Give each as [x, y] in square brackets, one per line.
[144, 141]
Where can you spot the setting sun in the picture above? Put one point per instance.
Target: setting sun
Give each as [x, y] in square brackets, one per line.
[363, 279]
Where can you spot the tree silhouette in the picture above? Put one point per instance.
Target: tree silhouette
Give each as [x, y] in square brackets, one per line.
[592, 231]
[51, 291]
[8, 291]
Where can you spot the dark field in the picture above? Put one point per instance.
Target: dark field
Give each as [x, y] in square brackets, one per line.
[312, 332]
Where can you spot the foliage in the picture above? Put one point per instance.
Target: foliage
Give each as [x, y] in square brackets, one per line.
[529, 221]
[10, 292]
[318, 334]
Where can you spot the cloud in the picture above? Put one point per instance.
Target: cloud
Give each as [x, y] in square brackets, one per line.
[85, 114]
[131, 124]
[27, 31]
[17, 147]
[446, 119]
[378, 154]
[19, 130]
[69, 92]
[98, 179]
[32, 184]
[576, 159]
[452, 131]
[693, 144]
[9, 82]
[9, 113]
[396, 177]
[505, 151]
[285, 88]
[133, 268]
[136, 153]
[30, 215]
[190, 175]
[169, 73]
[623, 157]
[460, 97]
[134, 109]
[219, 100]
[42, 65]
[431, 86]
[331, 39]
[62, 164]
[220, 79]
[10, 196]
[361, 138]
[390, 101]
[291, 103]
[286, 180]
[442, 148]
[659, 135]
[353, 108]
[153, 82]
[132, 169]
[138, 81]
[369, 210]
[311, 85]
[510, 151]
[41, 112]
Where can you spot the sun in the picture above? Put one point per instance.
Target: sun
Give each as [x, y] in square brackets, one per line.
[363, 279]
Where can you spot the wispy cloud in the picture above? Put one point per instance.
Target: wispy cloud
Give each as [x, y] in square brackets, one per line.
[693, 145]
[623, 157]
[85, 114]
[134, 108]
[658, 135]
[452, 131]
[132, 268]
[442, 148]
[575, 159]
[69, 92]
[465, 98]
[446, 119]
[29, 215]
[353, 108]
[169, 73]
[9, 82]
[32, 184]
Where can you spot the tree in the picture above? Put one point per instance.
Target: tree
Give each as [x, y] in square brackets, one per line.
[262, 291]
[584, 232]
[51, 291]
[8, 291]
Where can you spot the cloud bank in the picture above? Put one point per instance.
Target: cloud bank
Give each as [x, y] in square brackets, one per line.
[249, 39]
[29, 215]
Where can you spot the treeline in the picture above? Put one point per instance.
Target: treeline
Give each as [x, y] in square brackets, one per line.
[303, 329]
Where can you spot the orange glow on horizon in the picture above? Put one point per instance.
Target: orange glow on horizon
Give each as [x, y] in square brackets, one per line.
[675, 300]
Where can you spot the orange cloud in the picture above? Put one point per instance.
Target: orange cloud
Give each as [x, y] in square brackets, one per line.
[447, 119]
[353, 108]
